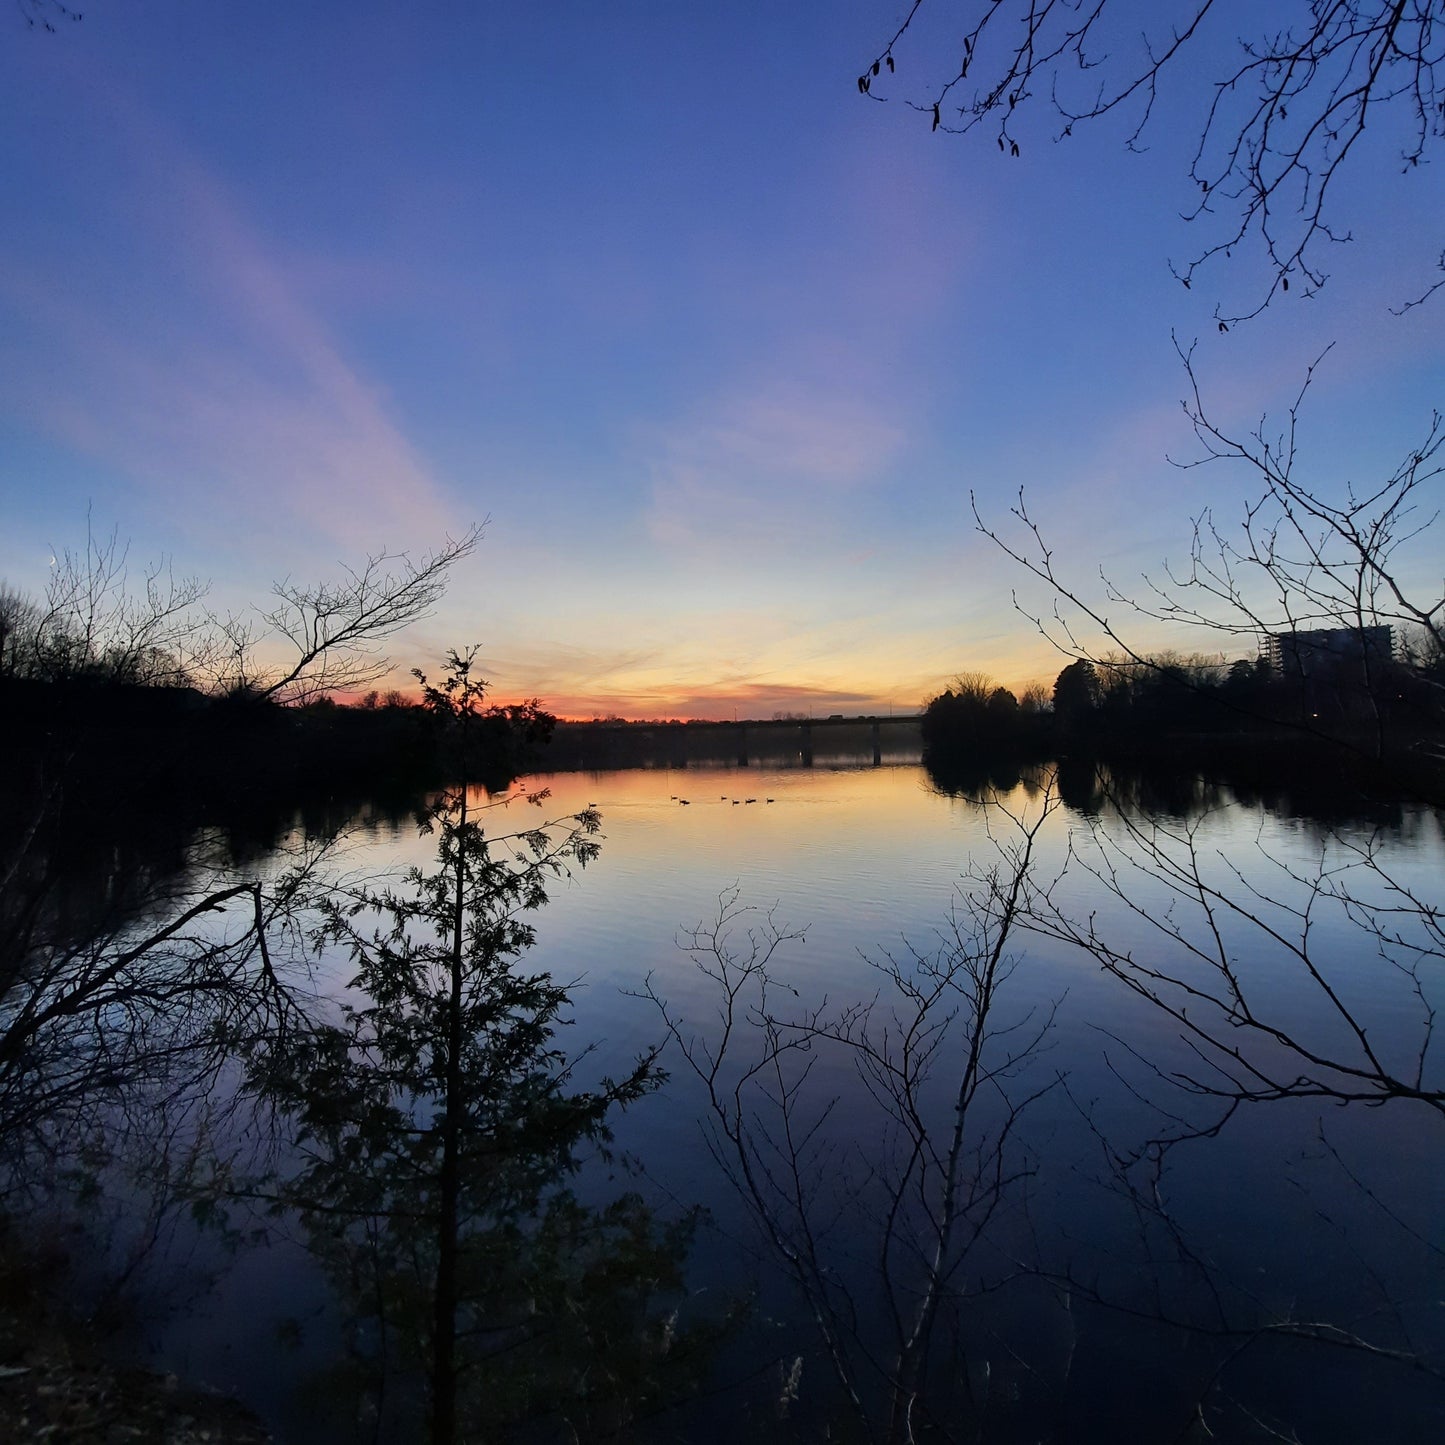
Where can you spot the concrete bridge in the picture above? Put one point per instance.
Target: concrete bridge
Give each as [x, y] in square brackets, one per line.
[805, 736]
[785, 742]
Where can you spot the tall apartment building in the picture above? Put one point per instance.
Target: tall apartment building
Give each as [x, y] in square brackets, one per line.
[1327, 652]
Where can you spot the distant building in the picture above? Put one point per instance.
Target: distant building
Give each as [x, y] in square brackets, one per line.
[1329, 652]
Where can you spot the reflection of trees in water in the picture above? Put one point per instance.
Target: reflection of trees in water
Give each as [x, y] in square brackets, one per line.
[133, 961]
[961, 1275]
[77, 861]
[129, 954]
[976, 775]
[1284, 987]
[1284, 783]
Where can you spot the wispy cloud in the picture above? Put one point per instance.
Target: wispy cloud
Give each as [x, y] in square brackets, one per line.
[199, 369]
[746, 700]
[550, 669]
[829, 393]
[765, 461]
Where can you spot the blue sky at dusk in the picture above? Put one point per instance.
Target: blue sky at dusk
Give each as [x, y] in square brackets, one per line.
[717, 347]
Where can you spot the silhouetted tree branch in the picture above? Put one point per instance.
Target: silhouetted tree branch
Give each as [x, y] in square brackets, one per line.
[47, 14]
[1322, 563]
[96, 624]
[1298, 561]
[149, 1000]
[1276, 136]
[1239, 967]
[332, 628]
[888, 1229]
[1279, 984]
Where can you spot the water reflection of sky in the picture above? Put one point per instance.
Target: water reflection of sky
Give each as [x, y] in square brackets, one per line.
[869, 860]
[866, 859]
[863, 859]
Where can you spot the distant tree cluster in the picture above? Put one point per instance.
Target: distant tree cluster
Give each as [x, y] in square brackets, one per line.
[392, 699]
[975, 710]
[1166, 698]
[1164, 690]
[1354, 694]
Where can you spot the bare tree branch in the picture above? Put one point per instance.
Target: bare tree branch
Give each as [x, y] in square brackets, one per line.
[1297, 561]
[928, 1183]
[333, 628]
[1277, 135]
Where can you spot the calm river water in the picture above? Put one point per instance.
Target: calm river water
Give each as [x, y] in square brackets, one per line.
[1301, 1217]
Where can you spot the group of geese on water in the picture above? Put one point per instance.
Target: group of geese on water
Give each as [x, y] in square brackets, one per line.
[687, 802]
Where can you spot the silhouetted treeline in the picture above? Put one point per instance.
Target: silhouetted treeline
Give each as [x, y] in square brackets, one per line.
[136, 744]
[974, 716]
[113, 792]
[1195, 711]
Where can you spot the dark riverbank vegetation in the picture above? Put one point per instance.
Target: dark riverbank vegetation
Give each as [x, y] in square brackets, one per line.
[1305, 697]
[421, 1130]
[121, 677]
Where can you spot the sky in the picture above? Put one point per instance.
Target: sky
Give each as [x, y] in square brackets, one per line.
[717, 349]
